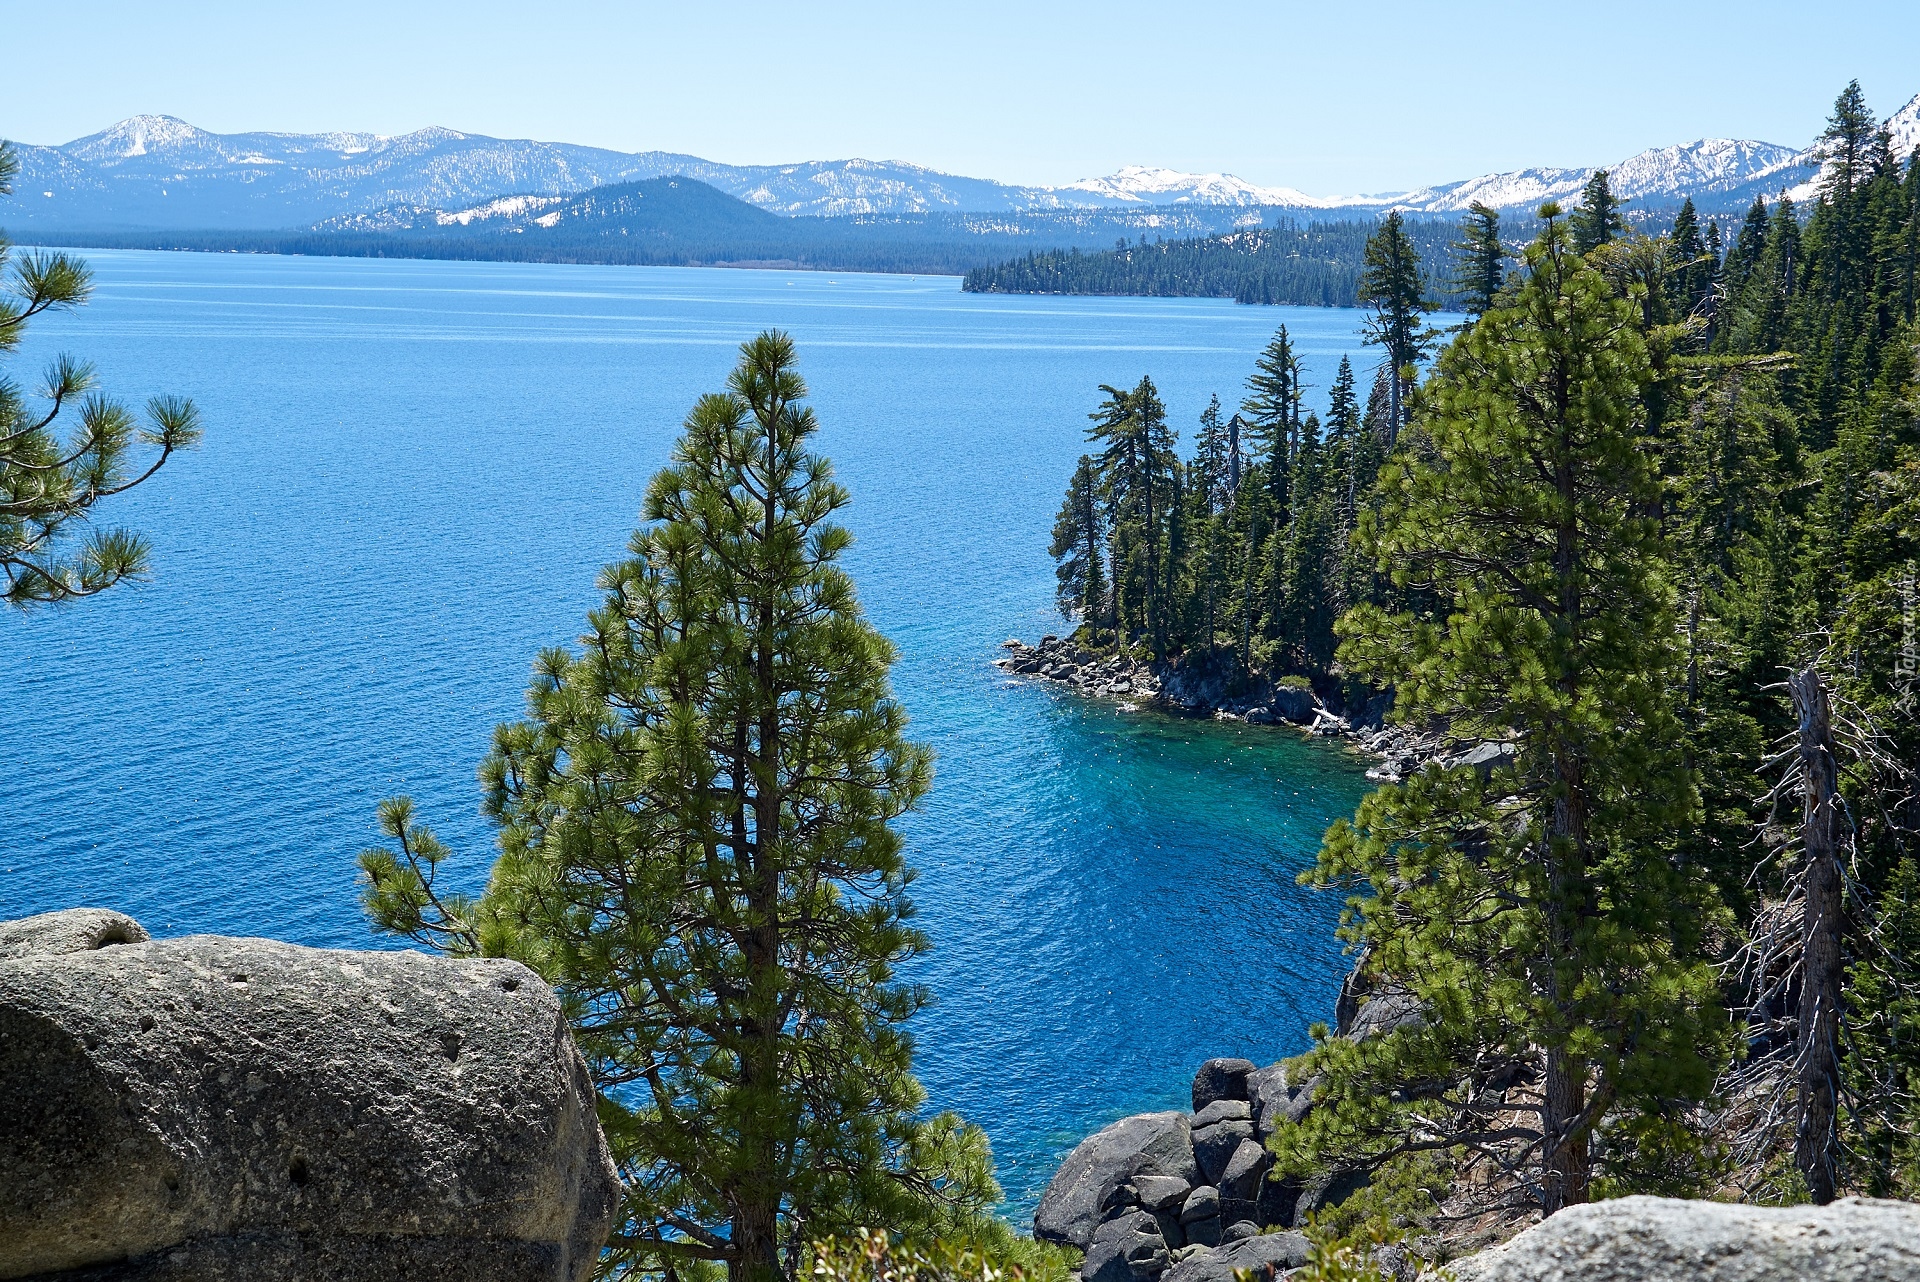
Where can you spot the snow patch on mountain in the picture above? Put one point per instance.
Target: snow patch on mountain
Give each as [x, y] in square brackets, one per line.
[1141, 184]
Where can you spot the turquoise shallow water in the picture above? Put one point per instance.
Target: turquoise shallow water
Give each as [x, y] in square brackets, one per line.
[413, 471]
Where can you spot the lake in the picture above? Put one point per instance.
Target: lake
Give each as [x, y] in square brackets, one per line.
[411, 475]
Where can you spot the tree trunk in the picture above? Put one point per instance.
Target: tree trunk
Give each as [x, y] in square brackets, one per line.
[1393, 405]
[1565, 1174]
[756, 1211]
[1817, 1056]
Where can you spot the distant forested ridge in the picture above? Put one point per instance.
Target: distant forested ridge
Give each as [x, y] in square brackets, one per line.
[1316, 265]
[677, 221]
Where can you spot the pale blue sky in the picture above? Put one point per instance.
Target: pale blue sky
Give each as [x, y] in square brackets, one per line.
[1330, 98]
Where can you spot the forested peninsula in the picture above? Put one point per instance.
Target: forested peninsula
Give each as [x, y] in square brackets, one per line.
[1315, 265]
[1642, 532]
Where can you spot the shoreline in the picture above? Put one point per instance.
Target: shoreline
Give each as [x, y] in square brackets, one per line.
[1183, 689]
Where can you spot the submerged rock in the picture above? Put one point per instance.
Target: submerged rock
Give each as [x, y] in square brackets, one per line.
[1635, 1239]
[211, 1109]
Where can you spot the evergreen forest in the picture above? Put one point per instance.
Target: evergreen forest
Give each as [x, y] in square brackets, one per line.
[1316, 265]
[1643, 530]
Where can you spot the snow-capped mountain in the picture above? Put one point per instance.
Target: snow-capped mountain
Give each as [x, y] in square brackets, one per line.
[1719, 173]
[161, 173]
[1141, 185]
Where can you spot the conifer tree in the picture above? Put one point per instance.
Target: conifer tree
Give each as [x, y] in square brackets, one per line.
[1137, 477]
[1845, 148]
[1479, 260]
[1271, 410]
[1077, 546]
[1598, 221]
[49, 485]
[1536, 912]
[697, 850]
[1746, 248]
[1210, 455]
[1390, 289]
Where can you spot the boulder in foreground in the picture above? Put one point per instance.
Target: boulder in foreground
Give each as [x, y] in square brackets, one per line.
[210, 1109]
[1638, 1239]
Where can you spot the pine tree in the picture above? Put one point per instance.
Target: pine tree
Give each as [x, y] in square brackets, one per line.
[1747, 247]
[49, 485]
[1137, 477]
[1390, 289]
[1690, 269]
[1078, 548]
[1538, 912]
[1598, 221]
[1845, 147]
[1271, 409]
[1478, 261]
[1210, 449]
[697, 850]
[1343, 439]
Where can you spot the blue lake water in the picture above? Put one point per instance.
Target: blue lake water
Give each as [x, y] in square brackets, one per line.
[412, 473]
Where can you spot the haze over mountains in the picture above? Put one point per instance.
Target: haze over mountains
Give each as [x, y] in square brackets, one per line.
[157, 173]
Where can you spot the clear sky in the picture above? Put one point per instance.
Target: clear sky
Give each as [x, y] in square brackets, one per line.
[1331, 98]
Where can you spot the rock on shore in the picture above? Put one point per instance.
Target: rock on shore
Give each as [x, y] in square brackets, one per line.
[1182, 1194]
[210, 1108]
[1638, 1239]
[1181, 686]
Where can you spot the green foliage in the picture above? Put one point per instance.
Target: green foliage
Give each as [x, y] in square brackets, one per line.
[1598, 221]
[49, 483]
[1319, 265]
[1479, 261]
[697, 850]
[1539, 913]
[1884, 1069]
[1392, 291]
[865, 1255]
[1082, 584]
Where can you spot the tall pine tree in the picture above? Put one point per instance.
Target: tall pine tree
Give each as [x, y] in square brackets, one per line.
[698, 851]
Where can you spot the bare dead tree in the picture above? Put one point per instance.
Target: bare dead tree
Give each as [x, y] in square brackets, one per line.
[1823, 901]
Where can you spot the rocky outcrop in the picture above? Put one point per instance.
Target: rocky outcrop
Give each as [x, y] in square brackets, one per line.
[1097, 1177]
[211, 1109]
[1266, 1256]
[1179, 1191]
[77, 930]
[1187, 685]
[1636, 1239]
[1220, 1079]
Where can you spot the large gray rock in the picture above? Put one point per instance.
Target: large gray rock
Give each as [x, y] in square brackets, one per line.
[1160, 1192]
[72, 930]
[1268, 1093]
[1249, 1163]
[1634, 1239]
[214, 1109]
[1220, 1079]
[1127, 1248]
[1266, 1257]
[1213, 1146]
[1145, 1144]
[1384, 1013]
[1222, 1110]
[1201, 1204]
[1291, 703]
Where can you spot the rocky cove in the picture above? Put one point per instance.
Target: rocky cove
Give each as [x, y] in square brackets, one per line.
[1195, 687]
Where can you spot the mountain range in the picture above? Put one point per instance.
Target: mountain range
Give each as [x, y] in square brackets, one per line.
[157, 173]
